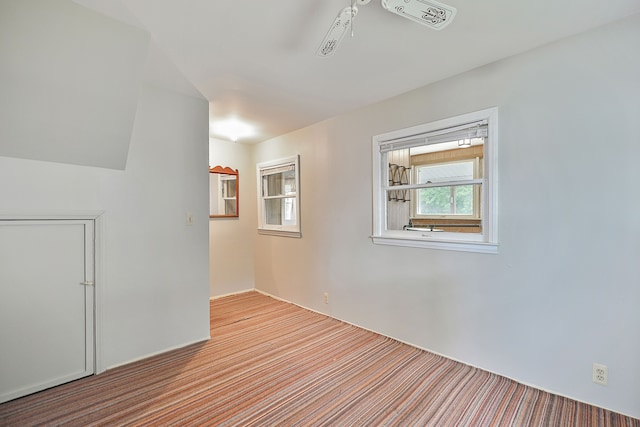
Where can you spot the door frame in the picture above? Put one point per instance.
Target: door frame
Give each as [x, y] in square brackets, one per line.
[98, 219]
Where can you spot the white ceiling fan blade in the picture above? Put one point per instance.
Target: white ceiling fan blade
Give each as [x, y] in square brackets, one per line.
[337, 31]
[431, 13]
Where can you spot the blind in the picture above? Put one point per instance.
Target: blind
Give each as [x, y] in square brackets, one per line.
[477, 129]
[278, 169]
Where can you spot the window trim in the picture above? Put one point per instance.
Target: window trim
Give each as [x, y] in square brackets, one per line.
[278, 230]
[487, 242]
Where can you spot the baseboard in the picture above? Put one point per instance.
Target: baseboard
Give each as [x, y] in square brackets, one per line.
[445, 356]
[137, 359]
[232, 293]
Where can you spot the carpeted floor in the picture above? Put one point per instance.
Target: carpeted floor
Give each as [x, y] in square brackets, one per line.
[272, 363]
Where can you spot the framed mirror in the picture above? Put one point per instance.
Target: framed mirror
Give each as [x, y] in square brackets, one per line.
[224, 192]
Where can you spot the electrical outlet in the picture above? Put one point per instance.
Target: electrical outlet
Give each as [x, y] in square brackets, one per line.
[600, 374]
[326, 297]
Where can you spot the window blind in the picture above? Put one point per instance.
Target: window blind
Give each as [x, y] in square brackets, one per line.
[477, 129]
[277, 169]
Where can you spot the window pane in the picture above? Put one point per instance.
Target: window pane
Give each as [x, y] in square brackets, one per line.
[230, 207]
[280, 211]
[456, 200]
[398, 212]
[445, 172]
[434, 201]
[273, 211]
[279, 184]
[228, 186]
[463, 200]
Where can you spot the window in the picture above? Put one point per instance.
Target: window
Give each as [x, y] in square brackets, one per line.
[435, 185]
[278, 197]
[448, 201]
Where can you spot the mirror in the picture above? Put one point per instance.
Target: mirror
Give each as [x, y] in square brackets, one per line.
[223, 192]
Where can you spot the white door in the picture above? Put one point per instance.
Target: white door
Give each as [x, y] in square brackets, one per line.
[46, 304]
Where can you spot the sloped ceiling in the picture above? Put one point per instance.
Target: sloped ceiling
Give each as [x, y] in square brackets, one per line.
[69, 83]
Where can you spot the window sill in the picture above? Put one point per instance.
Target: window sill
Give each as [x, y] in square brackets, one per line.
[281, 233]
[448, 245]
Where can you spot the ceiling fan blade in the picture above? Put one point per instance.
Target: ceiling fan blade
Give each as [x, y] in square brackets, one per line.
[337, 31]
[431, 13]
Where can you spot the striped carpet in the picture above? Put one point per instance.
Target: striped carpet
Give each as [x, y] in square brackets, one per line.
[271, 363]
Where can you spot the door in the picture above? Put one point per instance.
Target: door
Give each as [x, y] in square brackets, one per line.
[46, 304]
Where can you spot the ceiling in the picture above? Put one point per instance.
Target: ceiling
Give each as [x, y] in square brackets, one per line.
[256, 60]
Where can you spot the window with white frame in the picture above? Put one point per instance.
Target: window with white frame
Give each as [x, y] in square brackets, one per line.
[435, 185]
[279, 197]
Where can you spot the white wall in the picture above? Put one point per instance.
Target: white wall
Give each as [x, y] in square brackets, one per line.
[562, 292]
[231, 240]
[154, 282]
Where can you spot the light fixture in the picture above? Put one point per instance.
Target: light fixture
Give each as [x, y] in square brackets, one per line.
[232, 129]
